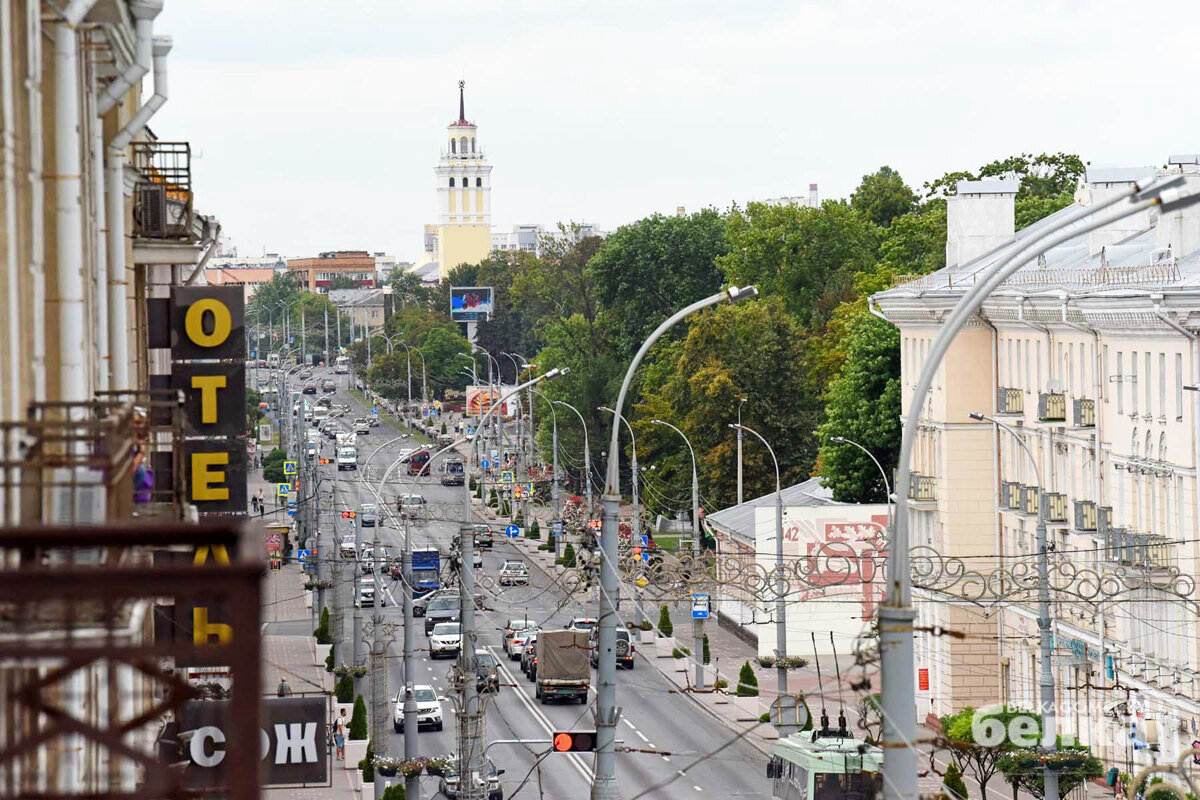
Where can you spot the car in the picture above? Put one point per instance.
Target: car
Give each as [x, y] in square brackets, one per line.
[445, 639]
[514, 573]
[487, 672]
[405, 452]
[516, 629]
[453, 471]
[410, 506]
[581, 624]
[373, 421]
[483, 536]
[448, 785]
[360, 421]
[443, 608]
[328, 386]
[366, 515]
[529, 655]
[625, 648]
[361, 430]
[429, 709]
[348, 548]
[347, 458]
[305, 374]
[366, 595]
[368, 556]
[309, 389]
[477, 558]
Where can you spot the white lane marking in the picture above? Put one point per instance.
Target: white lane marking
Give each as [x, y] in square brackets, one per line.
[697, 788]
[681, 772]
[630, 724]
[639, 733]
[667, 759]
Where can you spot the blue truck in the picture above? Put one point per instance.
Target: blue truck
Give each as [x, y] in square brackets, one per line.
[426, 571]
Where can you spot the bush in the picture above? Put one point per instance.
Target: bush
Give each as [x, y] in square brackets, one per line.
[519, 519]
[344, 689]
[273, 466]
[747, 682]
[664, 622]
[492, 499]
[535, 531]
[645, 625]
[444, 427]
[548, 547]
[472, 485]
[707, 654]
[954, 782]
[676, 653]
[322, 631]
[720, 683]
[358, 720]
[367, 765]
[765, 716]
[394, 792]
[329, 662]
[568, 557]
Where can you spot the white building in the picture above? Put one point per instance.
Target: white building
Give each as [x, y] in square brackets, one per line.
[800, 201]
[1088, 353]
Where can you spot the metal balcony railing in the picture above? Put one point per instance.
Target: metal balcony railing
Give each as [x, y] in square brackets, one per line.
[1086, 515]
[1130, 548]
[1029, 500]
[1055, 506]
[162, 197]
[1085, 413]
[922, 488]
[1052, 407]
[1010, 401]
[1010, 495]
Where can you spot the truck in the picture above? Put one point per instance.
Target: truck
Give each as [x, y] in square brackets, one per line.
[563, 668]
[426, 571]
[453, 470]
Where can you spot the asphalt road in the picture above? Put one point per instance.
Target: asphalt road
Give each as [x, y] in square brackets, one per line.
[707, 759]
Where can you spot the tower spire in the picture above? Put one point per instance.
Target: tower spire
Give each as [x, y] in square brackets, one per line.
[462, 113]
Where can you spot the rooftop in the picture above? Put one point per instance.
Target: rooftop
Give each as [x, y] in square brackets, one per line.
[738, 521]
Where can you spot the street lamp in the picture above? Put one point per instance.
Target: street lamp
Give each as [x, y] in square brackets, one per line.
[604, 785]
[780, 589]
[587, 454]
[887, 488]
[697, 624]
[637, 516]
[896, 613]
[741, 403]
[554, 467]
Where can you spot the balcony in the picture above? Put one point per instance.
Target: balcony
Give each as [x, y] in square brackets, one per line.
[921, 488]
[1129, 548]
[1010, 495]
[1054, 506]
[1029, 500]
[1086, 515]
[1010, 401]
[162, 197]
[1052, 407]
[1085, 413]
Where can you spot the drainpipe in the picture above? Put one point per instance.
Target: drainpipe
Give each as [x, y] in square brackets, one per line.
[144, 11]
[13, 285]
[212, 232]
[37, 190]
[997, 464]
[118, 269]
[103, 366]
[73, 380]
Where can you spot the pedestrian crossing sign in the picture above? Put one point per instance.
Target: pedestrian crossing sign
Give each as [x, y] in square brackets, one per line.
[506, 477]
[282, 489]
[289, 468]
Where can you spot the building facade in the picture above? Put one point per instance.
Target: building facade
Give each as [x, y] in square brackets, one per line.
[464, 193]
[1088, 354]
[249, 279]
[329, 268]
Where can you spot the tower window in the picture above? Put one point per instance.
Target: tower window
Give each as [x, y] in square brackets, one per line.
[479, 182]
[452, 183]
[462, 145]
[451, 145]
[472, 144]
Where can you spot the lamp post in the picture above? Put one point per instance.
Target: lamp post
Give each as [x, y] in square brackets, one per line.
[424, 385]
[780, 588]
[587, 454]
[604, 785]
[896, 613]
[1045, 631]
[637, 508]
[554, 462]
[697, 624]
[408, 353]
[887, 488]
[741, 403]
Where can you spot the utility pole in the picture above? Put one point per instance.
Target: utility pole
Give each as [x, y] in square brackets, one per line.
[326, 359]
[379, 673]
[470, 717]
[412, 788]
[359, 656]
[338, 314]
[303, 339]
[739, 446]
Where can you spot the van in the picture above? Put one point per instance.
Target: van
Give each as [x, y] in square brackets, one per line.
[347, 458]
[320, 413]
[417, 461]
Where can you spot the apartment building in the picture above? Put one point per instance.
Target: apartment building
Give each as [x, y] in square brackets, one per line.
[334, 267]
[1087, 353]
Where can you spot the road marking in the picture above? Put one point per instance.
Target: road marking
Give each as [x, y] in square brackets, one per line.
[681, 772]
[667, 759]
[630, 724]
[639, 733]
[697, 788]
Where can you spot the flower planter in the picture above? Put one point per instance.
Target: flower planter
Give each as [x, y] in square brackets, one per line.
[368, 791]
[748, 708]
[646, 637]
[356, 751]
[387, 772]
[356, 780]
[720, 697]
[683, 664]
[308, 599]
[663, 646]
[322, 653]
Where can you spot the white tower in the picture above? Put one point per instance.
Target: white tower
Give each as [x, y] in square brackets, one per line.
[464, 196]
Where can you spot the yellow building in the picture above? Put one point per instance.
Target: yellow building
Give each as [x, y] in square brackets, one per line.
[464, 231]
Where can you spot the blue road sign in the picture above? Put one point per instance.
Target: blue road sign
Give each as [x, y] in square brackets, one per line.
[506, 477]
[375, 410]
[291, 512]
[700, 605]
[485, 463]
[282, 489]
[289, 468]
[556, 527]
[470, 431]
[303, 555]
[291, 340]
[645, 541]
[512, 531]
[645, 556]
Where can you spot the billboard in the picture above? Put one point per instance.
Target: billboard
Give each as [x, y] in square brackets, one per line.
[479, 400]
[840, 551]
[470, 303]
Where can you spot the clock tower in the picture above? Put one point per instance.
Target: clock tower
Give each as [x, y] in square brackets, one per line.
[464, 195]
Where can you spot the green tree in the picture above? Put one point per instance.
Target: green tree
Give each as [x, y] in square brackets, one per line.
[1023, 769]
[707, 654]
[1047, 182]
[394, 792]
[367, 764]
[665, 627]
[344, 691]
[979, 761]
[322, 632]
[883, 196]
[557, 284]
[273, 466]
[954, 783]
[747, 682]
[409, 290]
[358, 719]
[648, 270]
[568, 557]
[443, 349]
[342, 282]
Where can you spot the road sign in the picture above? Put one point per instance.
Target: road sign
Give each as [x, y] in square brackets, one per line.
[470, 431]
[375, 410]
[274, 541]
[700, 605]
[282, 489]
[485, 463]
[512, 531]
[289, 468]
[264, 432]
[529, 487]
[303, 555]
[556, 527]
[506, 477]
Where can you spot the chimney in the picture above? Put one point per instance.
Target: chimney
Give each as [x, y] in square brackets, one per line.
[1100, 185]
[979, 219]
[1179, 230]
[812, 196]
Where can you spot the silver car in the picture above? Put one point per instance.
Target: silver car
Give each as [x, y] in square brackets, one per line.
[514, 573]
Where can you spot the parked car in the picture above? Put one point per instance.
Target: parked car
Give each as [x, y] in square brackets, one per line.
[443, 608]
[448, 785]
[514, 573]
[625, 648]
[366, 515]
[487, 672]
[515, 634]
[429, 709]
[445, 639]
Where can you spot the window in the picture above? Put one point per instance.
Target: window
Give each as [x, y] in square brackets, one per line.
[1038, 371]
[452, 183]
[1178, 386]
[1162, 385]
[462, 145]
[1028, 385]
[1007, 370]
[1067, 372]
[452, 147]
[1104, 372]
[479, 185]
[472, 144]
[1019, 371]
[1120, 378]
[1133, 395]
[1149, 389]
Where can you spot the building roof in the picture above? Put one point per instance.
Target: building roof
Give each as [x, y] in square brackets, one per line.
[738, 521]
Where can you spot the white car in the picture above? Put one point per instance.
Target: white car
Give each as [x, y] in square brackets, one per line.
[515, 644]
[514, 573]
[361, 430]
[366, 595]
[429, 709]
[445, 639]
[347, 458]
[348, 548]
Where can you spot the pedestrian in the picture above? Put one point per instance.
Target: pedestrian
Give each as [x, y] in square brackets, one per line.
[254, 503]
[340, 722]
[284, 690]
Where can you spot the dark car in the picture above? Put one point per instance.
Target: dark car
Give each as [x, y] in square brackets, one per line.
[309, 389]
[448, 785]
[443, 608]
[625, 648]
[529, 658]
[486, 672]
[483, 536]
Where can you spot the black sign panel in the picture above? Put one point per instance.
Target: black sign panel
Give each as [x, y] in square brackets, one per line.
[293, 741]
[208, 322]
[216, 471]
[214, 397]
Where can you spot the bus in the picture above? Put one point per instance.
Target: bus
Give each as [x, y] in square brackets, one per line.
[341, 365]
[824, 765]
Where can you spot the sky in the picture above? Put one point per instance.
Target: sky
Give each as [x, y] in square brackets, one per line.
[317, 126]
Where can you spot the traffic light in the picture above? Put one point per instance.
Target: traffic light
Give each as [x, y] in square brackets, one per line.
[349, 514]
[574, 741]
[326, 461]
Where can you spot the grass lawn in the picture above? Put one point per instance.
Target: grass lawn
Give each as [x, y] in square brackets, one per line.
[388, 419]
[668, 542]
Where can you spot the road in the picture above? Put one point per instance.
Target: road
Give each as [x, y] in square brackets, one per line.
[707, 759]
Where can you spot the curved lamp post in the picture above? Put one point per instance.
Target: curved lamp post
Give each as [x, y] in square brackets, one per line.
[587, 457]
[887, 487]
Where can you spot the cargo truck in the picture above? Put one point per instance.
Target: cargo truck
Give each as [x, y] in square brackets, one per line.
[426, 571]
[563, 670]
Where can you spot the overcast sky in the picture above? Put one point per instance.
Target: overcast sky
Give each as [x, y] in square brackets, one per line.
[317, 125]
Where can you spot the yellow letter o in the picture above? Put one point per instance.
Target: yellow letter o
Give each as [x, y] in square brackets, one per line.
[222, 322]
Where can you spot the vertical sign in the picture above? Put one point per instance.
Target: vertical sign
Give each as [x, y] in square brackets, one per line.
[923, 679]
[208, 346]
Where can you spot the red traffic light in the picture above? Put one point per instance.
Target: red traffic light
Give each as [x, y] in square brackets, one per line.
[349, 514]
[574, 741]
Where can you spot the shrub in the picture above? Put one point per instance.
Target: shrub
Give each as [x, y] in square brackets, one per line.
[747, 682]
[444, 427]
[358, 720]
[707, 654]
[394, 792]
[676, 653]
[954, 782]
[535, 531]
[547, 547]
[664, 622]
[322, 631]
[492, 499]
[472, 485]
[568, 557]
[765, 716]
[344, 689]
[645, 625]
[367, 765]
[519, 520]
[720, 683]
[329, 662]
